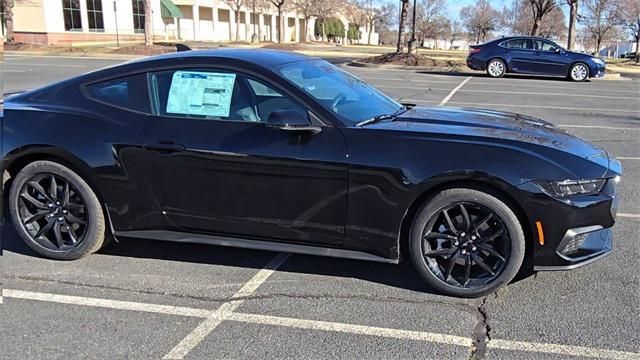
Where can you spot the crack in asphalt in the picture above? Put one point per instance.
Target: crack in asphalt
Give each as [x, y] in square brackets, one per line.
[468, 308]
[482, 330]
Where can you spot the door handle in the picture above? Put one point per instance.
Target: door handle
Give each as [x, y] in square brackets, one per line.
[165, 147]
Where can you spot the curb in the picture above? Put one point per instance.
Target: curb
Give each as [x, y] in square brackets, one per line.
[441, 70]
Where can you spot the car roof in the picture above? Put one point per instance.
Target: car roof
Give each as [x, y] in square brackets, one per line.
[521, 37]
[267, 58]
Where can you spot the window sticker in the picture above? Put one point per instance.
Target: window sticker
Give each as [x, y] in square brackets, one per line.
[201, 93]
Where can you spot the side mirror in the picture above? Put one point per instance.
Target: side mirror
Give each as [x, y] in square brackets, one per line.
[291, 120]
[557, 51]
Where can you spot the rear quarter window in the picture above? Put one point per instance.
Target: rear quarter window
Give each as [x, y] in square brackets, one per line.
[128, 92]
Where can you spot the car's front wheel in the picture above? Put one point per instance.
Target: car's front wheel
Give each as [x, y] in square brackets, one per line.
[496, 68]
[466, 242]
[579, 72]
[56, 212]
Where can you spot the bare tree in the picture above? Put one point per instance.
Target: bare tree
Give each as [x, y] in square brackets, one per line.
[573, 18]
[631, 16]
[325, 9]
[403, 18]
[539, 8]
[307, 9]
[355, 14]
[428, 15]
[479, 20]
[256, 6]
[148, 23]
[371, 15]
[8, 19]
[601, 19]
[235, 6]
[455, 32]
[385, 22]
[279, 4]
[519, 19]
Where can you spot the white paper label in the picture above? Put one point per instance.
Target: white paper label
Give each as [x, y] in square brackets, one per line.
[201, 93]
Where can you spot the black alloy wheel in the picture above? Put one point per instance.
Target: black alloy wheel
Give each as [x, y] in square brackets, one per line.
[467, 242]
[56, 212]
[466, 245]
[53, 212]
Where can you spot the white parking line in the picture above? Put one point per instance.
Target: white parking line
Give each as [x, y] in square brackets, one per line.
[528, 84]
[507, 92]
[106, 303]
[47, 65]
[627, 215]
[223, 313]
[210, 324]
[599, 127]
[531, 106]
[351, 329]
[627, 158]
[567, 350]
[453, 92]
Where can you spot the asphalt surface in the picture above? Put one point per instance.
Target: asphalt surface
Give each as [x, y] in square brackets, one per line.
[108, 304]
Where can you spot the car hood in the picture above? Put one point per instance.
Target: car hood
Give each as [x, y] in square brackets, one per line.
[495, 126]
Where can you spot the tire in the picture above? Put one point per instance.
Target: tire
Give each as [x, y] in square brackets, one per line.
[433, 269]
[578, 72]
[78, 227]
[496, 68]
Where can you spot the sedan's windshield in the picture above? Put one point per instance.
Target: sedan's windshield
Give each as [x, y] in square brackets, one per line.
[350, 98]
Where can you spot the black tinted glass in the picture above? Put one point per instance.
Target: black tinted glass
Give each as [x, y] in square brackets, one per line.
[129, 92]
[518, 44]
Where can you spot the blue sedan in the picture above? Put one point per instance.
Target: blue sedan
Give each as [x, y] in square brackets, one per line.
[535, 56]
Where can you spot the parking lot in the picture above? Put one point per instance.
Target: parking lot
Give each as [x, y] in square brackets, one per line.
[146, 299]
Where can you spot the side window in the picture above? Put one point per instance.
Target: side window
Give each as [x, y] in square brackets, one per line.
[517, 44]
[544, 45]
[128, 92]
[202, 94]
[269, 100]
[262, 90]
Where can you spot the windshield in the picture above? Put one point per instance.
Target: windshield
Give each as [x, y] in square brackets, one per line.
[350, 98]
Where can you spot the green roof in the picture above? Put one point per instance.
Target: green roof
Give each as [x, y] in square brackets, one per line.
[169, 9]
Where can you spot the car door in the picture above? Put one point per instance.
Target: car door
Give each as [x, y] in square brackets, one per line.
[518, 53]
[549, 59]
[215, 167]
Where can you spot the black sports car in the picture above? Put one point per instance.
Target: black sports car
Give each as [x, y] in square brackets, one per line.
[278, 151]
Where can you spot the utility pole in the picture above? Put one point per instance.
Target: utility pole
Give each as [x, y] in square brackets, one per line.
[115, 14]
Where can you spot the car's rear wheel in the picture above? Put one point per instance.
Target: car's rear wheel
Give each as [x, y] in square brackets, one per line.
[56, 212]
[496, 68]
[466, 242]
[579, 72]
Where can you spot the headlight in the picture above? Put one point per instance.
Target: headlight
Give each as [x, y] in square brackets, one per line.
[561, 189]
[598, 61]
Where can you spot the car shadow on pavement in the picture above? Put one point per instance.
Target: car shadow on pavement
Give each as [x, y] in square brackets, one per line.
[402, 275]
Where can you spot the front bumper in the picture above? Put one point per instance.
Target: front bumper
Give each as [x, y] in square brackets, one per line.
[598, 71]
[575, 233]
[580, 247]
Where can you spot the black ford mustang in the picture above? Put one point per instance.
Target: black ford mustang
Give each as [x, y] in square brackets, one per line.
[278, 151]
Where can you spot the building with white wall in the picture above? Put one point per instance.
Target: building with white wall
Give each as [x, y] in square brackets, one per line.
[59, 22]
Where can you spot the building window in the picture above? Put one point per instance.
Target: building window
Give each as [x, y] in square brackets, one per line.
[71, 11]
[138, 16]
[94, 13]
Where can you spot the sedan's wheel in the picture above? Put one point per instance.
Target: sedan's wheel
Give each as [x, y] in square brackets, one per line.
[56, 212]
[496, 68]
[466, 242]
[579, 72]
